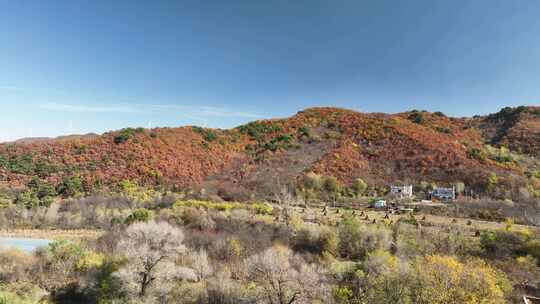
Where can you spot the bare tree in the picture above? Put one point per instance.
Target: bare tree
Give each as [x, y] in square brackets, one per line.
[284, 277]
[150, 249]
[200, 264]
[284, 197]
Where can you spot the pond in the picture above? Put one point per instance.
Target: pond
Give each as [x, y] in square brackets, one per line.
[23, 244]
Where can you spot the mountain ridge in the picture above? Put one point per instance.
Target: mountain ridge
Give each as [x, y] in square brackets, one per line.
[407, 147]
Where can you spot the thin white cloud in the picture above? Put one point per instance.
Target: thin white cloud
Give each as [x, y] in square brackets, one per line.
[207, 111]
[193, 112]
[61, 107]
[12, 88]
[47, 91]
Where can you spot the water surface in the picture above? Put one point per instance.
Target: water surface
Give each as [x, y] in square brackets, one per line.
[23, 244]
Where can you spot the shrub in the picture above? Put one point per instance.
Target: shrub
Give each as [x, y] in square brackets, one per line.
[313, 181]
[14, 265]
[224, 290]
[42, 190]
[386, 278]
[342, 295]
[7, 297]
[315, 239]
[492, 181]
[477, 154]
[70, 186]
[60, 261]
[280, 142]
[27, 199]
[262, 208]
[198, 219]
[305, 131]
[502, 243]
[440, 114]
[443, 130]
[222, 206]
[44, 169]
[207, 134]
[122, 137]
[259, 208]
[126, 134]
[357, 240]
[359, 186]
[227, 249]
[138, 215]
[410, 219]
[22, 164]
[257, 129]
[108, 286]
[331, 184]
[416, 117]
[532, 248]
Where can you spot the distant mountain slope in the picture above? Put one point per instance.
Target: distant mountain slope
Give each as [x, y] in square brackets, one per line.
[518, 128]
[29, 140]
[260, 156]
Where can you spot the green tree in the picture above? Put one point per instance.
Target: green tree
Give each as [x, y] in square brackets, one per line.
[313, 181]
[492, 181]
[44, 191]
[333, 187]
[387, 279]
[70, 186]
[359, 187]
[139, 215]
[61, 262]
[460, 187]
[416, 117]
[356, 240]
[342, 295]
[331, 184]
[27, 199]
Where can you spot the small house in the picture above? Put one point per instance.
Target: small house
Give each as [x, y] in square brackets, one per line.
[444, 194]
[379, 204]
[402, 191]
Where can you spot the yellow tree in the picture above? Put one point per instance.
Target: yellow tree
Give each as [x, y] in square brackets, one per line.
[444, 279]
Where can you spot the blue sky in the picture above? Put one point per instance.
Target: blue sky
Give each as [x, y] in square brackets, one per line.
[91, 66]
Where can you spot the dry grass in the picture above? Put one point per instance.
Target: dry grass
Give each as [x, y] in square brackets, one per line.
[51, 234]
[442, 222]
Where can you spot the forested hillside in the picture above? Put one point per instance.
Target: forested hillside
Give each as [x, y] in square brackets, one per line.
[497, 152]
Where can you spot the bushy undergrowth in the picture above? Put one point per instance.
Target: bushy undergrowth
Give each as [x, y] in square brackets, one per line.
[170, 249]
[259, 208]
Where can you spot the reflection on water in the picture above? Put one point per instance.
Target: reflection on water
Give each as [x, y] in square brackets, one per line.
[26, 245]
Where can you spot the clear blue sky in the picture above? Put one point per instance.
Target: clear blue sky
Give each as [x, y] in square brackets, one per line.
[91, 66]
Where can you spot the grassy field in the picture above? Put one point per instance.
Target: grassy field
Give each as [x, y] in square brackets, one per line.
[367, 215]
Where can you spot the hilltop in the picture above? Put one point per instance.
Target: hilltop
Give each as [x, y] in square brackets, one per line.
[258, 158]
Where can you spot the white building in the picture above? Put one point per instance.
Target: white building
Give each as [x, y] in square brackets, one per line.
[379, 204]
[402, 191]
[444, 194]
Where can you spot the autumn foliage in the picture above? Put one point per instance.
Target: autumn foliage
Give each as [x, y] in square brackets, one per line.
[379, 148]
